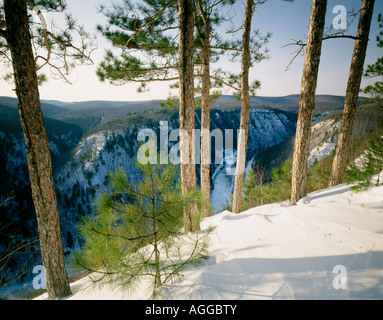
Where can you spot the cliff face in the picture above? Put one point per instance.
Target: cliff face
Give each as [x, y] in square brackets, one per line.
[105, 151]
[82, 173]
[267, 128]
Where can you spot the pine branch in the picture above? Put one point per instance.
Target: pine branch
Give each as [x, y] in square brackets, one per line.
[303, 45]
[69, 45]
[78, 53]
[225, 83]
[203, 12]
[150, 79]
[210, 9]
[188, 260]
[260, 2]
[336, 35]
[235, 49]
[148, 70]
[345, 36]
[45, 34]
[152, 19]
[123, 237]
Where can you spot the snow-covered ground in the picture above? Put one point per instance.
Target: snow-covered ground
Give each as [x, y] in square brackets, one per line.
[323, 140]
[328, 246]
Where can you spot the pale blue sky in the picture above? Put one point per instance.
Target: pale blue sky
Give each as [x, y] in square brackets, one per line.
[284, 20]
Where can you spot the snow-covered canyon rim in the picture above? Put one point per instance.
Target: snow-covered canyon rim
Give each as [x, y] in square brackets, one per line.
[328, 246]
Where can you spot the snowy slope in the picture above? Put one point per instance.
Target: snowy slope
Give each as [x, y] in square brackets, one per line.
[328, 246]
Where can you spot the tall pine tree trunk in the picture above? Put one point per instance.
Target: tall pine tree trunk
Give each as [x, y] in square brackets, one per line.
[205, 114]
[186, 105]
[352, 93]
[245, 109]
[307, 99]
[37, 150]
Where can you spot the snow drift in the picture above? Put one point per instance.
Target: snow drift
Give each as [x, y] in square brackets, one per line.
[328, 246]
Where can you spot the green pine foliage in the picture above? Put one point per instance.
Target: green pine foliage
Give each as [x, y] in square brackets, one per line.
[258, 192]
[145, 45]
[277, 188]
[136, 233]
[147, 28]
[319, 173]
[371, 164]
[375, 91]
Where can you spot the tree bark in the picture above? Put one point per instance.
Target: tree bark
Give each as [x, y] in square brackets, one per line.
[186, 106]
[205, 115]
[352, 93]
[307, 100]
[245, 109]
[37, 150]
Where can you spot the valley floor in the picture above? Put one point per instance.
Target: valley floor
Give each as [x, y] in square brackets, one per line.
[328, 246]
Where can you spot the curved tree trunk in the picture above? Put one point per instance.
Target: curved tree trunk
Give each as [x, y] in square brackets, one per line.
[186, 105]
[307, 100]
[352, 93]
[245, 110]
[37, 150]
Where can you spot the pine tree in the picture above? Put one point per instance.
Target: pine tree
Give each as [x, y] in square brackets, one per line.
[137, 231]
[21, 37]
[307, 100]
[254, 185]
[281, 178]
[149, 29]
[204, 34]
[352, 93]
[245, 109]
[38, 156]
[319, 173]
[186, 105]
[276, 189]
[250, 191]
[376, 69]
[371, 163]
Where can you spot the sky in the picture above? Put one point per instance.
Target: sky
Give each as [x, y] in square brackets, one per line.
[286, 21]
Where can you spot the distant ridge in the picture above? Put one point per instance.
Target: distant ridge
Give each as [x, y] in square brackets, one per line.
[91, 113]
[287, 103]
[224, 102]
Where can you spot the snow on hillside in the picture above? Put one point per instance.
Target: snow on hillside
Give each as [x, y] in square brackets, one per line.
[323, 141]
[266, 127]
[328, 246]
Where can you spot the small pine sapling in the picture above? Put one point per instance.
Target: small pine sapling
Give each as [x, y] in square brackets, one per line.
[136, 234]
[371, 164]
